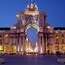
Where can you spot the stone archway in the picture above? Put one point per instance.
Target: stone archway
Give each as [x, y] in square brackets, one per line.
[32, 26]
[33, 18]
[32, 39]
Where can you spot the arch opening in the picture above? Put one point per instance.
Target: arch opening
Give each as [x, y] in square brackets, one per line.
[32, 39]
[32, 35]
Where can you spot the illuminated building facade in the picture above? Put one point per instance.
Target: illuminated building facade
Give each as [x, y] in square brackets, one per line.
[49, 39]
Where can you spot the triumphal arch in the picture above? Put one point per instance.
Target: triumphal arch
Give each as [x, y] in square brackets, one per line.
[32, 17]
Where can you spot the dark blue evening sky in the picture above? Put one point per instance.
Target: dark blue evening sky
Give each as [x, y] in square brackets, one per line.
[55, 10]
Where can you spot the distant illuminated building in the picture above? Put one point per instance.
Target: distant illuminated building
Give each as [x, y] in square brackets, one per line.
[49, 39]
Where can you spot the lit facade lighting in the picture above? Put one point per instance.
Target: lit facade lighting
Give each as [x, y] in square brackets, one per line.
[57, 37]
[41, 50]
[36, 48]
[32, 12]
[6, 36]
[17, 15]
[1, 47]
[21, 49]
[48, 27]
[56, 31]
[14, 27]
[18, 48]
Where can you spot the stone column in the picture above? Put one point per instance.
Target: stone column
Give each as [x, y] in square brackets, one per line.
[53, 47]
[3, 42]
[60, 47]
[17, 45]
[39, 46]
[23, 44]
[6, 40]
[46, 44]
[20, 44]
[10, 45]
[41, 50]
[43, 43]
[6, 45]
